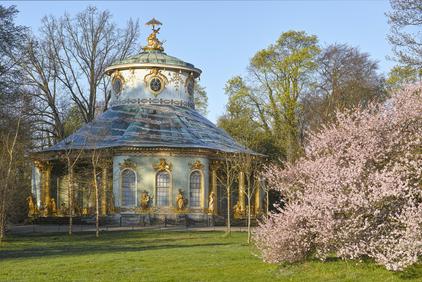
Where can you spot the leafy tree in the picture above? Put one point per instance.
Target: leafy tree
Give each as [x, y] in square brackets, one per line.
[405, 21]
[238, 121]
[12, 36]
[201, 99]
[399, 76]
[14, 126]
[278, 77]
[357, 192]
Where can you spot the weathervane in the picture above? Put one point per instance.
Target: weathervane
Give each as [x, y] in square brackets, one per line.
[153, 42]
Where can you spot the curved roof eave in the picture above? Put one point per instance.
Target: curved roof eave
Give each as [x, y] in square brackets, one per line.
[109, 69]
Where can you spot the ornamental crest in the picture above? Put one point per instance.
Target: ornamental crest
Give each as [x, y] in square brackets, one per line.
[155, 81]
[163, 165]
[197, 165]
[127, 164]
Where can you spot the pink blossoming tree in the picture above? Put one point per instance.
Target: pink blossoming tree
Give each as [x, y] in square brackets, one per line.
[357, 193]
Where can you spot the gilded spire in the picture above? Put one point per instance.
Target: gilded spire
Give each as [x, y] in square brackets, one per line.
[153, 42]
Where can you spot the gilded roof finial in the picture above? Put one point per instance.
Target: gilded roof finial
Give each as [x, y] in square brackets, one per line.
[153, 42]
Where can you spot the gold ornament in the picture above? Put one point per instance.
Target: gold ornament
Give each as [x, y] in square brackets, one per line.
[197, 165]
[163, 165]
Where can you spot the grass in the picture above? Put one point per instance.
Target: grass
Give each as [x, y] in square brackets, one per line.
[167, 256]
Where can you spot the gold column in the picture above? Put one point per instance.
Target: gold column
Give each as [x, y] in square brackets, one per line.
[104, 184]
[242, 191]
[257, 196]
[47, 167]
[214, 168]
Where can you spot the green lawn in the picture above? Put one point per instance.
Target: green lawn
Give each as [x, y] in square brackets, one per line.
[166, 256]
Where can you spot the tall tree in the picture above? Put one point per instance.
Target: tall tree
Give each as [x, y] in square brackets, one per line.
[405, 21]
[65, 64]
[11, 38]
[345, 78]
[14, 127]
[278, 77]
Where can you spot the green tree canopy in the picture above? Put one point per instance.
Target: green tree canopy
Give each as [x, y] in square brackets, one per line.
[278, 76]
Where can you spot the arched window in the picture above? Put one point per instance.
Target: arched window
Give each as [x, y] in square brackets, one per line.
[163, 188]
[128, 188]
[195, 189]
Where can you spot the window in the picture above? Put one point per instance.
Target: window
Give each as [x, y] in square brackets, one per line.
[163, 187]
[128, 188]
[195, 189]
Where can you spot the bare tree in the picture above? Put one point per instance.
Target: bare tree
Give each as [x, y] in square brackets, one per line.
[227, 178]
[405, 36]
[250, 165]
[83, 46]
[64, 66]
[96, 157]
[43, 86]
[345, 78]
[71, 157]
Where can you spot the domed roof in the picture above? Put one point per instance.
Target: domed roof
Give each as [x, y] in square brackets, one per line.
[154, 57]
[150, 126]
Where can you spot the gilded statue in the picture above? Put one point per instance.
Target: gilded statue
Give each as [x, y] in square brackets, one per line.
[53, 207]
[153, 42]
[211, 203]
[145, 200]
[238, 213]
[111, 207]
[32, 208]
[181, 201]
[63, 209]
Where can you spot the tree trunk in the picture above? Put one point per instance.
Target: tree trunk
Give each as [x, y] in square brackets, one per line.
[249, 219]
[228, 207]
[97, 210]
[4, 195]
[70, 196]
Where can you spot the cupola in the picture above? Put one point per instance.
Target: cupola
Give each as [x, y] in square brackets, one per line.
[152, 76]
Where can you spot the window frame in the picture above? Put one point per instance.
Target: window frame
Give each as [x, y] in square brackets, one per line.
[170, 189]
[121, 188]
[201, 189]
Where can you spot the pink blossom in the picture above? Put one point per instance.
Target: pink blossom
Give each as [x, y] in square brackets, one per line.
[357, 192]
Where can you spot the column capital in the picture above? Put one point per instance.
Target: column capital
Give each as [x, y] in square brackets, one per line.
[106, 163]
[215, 165]
[43, 165]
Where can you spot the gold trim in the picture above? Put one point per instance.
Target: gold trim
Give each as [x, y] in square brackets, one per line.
[108, 70]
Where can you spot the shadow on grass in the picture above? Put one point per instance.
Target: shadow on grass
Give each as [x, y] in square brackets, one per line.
[411, 273]
[92, 249]
[41, 245]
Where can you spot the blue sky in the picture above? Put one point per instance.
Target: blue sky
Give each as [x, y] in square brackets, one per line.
[220, 37]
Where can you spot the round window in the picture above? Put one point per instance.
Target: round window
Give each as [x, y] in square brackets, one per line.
[190, 86]
[155, 84]
[117, 85]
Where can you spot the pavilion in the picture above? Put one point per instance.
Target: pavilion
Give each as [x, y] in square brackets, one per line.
[156, 153]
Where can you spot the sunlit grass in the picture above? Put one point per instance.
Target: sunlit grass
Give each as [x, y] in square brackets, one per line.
[166, 256]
